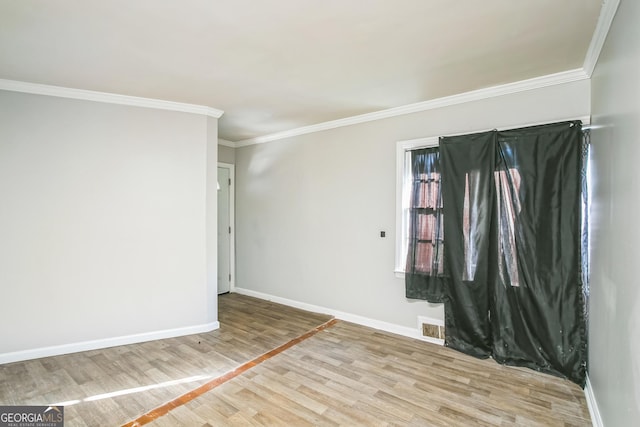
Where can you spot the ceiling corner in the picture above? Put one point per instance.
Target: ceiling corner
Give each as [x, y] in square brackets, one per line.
[608, 12]
[226, 143]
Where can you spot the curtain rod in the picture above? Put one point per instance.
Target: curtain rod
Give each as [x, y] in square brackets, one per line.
[586, 124]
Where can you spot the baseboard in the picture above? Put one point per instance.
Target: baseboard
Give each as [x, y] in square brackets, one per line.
[57, 350]
[596, 419]
[353, 318]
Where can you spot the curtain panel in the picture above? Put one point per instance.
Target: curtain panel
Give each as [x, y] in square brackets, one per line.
[512, 258]
[468, 191]
[538, 303]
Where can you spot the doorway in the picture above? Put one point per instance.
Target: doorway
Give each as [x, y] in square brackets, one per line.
[226, 229]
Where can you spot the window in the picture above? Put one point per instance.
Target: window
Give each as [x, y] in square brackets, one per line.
[404, 185]
[427, 219]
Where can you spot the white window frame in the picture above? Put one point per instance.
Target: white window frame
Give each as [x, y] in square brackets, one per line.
[403, 195]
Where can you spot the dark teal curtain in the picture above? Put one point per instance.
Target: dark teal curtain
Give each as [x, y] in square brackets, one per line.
[513, 225]
[468, 194]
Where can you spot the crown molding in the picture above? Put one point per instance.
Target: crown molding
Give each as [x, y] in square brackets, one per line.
[109, 98]
[475, 95]
[226, 143]
[607, 13]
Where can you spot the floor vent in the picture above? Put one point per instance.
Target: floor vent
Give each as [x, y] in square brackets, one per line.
[431, 329]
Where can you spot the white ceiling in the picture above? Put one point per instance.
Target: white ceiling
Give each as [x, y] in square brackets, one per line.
[275, 65]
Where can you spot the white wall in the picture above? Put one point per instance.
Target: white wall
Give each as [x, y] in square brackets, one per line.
[226, 154]
[614, 319]
[309, 209]
[103, 216]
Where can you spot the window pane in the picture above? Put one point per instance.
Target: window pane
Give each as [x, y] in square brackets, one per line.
[425, 241]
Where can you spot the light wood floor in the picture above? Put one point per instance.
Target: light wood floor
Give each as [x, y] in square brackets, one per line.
[344, 375]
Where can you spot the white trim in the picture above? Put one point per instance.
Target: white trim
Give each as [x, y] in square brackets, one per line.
[475, 95]
[429, 321]
[36, 353]
[596, 418]
[226, 143]
[607, 13]
[109, 98]
[348, 317]
[232, 223]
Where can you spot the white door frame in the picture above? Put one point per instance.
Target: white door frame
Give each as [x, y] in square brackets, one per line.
[232, 223]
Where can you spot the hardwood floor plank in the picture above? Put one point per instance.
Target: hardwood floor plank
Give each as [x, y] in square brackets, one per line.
[175, 359]
[345, 375]
[284, 387]
[293, 406]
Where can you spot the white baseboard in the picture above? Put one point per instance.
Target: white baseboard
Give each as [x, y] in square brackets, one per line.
[36, 353]
[353, 318]
[596, 419]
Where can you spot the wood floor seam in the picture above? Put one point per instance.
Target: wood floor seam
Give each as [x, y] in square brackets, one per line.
[160, 411]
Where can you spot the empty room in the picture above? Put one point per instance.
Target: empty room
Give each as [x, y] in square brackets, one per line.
[319, 213]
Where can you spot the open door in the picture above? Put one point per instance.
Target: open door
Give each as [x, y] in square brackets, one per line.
[225, 228]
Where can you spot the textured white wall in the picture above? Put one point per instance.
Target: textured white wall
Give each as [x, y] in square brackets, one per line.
[102, 221]
[614, 323]
[309, 209]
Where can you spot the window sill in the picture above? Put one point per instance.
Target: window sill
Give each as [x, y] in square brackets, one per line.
[399, 274]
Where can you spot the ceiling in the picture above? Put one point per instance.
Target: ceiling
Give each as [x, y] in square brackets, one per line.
[276, 65]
